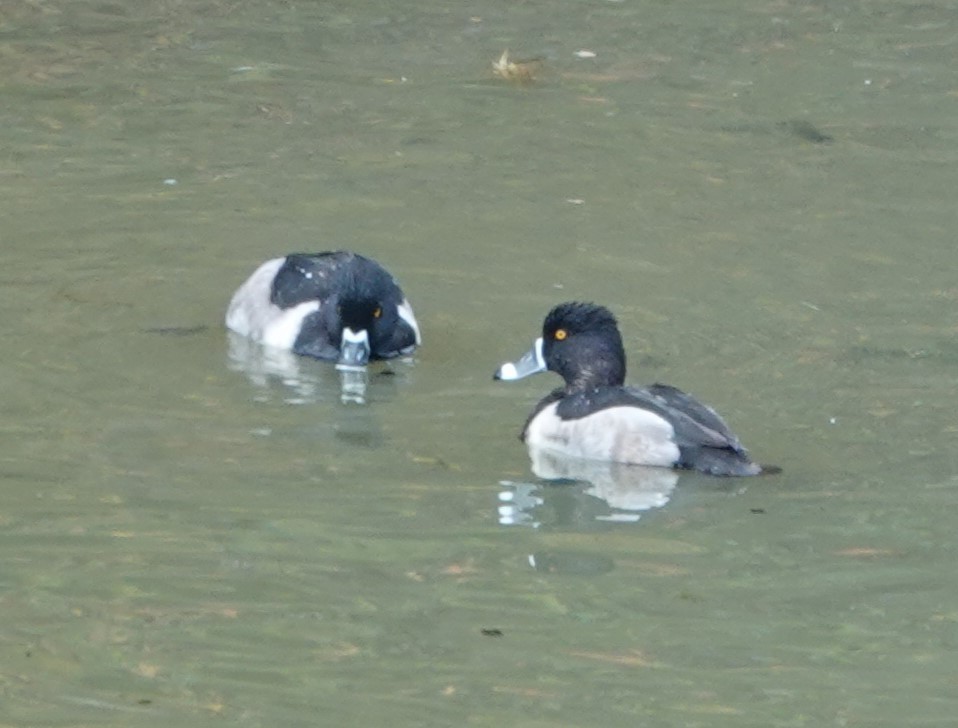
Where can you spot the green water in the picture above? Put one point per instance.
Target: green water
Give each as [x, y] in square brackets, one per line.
[765, 197]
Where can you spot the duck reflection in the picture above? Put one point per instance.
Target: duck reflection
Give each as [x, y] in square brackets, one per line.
[599, 492]
[299, 380]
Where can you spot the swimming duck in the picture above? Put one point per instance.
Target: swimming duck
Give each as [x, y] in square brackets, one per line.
[594, 416]
[339, 306]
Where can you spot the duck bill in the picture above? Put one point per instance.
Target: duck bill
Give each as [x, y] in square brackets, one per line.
[353, 350]
[530, 363]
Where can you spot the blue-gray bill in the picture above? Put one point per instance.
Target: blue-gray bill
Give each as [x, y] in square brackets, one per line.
[530, 363]
[354, 350]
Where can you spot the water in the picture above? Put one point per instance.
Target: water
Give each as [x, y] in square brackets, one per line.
[764, 197]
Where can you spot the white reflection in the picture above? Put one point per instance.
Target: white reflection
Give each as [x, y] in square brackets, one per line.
[352, 385]
[633, 488]
[303, 381]
[517, 503]
[614, 492]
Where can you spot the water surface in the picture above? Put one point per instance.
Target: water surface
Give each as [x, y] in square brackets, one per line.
[763, 195]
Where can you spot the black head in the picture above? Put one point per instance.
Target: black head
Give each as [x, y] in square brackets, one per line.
[377, 317]
[362, 312]
[369, 302]
[581, 343]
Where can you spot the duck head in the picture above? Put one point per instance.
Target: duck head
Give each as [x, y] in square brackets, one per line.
[580, 342]
[367, 325]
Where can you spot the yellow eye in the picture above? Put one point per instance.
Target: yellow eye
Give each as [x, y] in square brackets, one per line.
[560, 334]
[378, 312]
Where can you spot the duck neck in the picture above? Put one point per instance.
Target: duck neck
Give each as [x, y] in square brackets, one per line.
[606, 368]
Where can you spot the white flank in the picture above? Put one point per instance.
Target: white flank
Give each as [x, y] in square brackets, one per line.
[251, 313]
[617, 434]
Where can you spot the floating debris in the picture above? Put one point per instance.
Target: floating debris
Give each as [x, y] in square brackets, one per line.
[176, 330]
[524, 71]
[805, 130]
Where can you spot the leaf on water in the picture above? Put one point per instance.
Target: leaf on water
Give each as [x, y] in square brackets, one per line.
[945, 617]
[434, 461]
[519, 71]
[632, 658]
[463, 569]
[523, 692]
[864, 552]
[654, 569]
[338, 651]
[145, 669]
[713, 709]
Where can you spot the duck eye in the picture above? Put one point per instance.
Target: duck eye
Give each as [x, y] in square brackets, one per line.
[378, 312]
[560, 334]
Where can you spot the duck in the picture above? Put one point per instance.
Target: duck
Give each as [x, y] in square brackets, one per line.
[595, 416]
[335, 305]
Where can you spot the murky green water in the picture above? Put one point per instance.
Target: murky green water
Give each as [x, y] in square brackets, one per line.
[764, 196]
